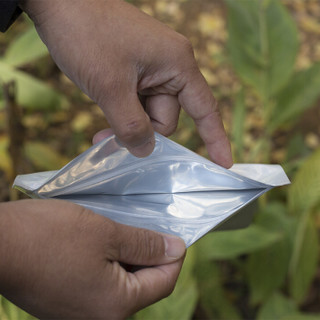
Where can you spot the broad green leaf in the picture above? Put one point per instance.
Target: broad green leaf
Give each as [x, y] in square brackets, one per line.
[238, 120]
[25, 49]
[267, 268]
[301, 93]
[303, 197]
[213, 298]
[262, 43]
[305, 259]
[8, 311]
[32, 93]
[44, 157]
[301, 316]
[277, 307]
[231, 244]
[304, 192]
[182, 302]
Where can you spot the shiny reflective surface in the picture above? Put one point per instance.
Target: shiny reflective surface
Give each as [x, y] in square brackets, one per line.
[173, 190]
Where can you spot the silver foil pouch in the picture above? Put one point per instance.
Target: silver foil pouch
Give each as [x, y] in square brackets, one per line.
[173, 190]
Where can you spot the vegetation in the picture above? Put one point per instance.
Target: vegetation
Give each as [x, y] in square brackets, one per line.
[270, 102]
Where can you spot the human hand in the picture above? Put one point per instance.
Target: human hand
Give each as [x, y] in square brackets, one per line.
[114, 52]
[61, 261]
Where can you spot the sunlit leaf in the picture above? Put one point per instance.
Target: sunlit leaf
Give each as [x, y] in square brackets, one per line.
[301, 93]
[44, 157]
[32, 93]
[231, 244]
[8, 311]
[303, 197]
[262, 43]
[25, 49]
[304, 193]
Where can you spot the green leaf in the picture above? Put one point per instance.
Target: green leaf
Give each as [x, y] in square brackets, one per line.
[301, 93]
[238, 121]
[44, 157]
[32, 93]
[231, 244]
[277, 307]
[262, 43]
[304, 192]
[305, 259]
[8, 311]
[301, 316]
[25, 49]
[182, 302]
[303, 198]
[267, 268]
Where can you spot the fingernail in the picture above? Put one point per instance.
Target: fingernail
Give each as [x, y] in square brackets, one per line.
[174, 246]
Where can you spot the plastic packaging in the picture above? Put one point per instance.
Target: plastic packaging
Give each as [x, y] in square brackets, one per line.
[173, 190]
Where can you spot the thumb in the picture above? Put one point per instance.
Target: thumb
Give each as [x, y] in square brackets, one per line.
[143, 247]
[130, 123]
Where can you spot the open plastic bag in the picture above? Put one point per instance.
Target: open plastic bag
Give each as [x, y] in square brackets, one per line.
[173, 190]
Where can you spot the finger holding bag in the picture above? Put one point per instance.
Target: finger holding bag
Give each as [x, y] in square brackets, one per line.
[59, 260]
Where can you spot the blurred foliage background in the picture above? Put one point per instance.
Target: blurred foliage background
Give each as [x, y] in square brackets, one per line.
[262, 60]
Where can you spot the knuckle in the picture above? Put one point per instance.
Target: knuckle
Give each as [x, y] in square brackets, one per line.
[185, 44]
[132, 130]
[183, 53]
[84, 219]
[171, 128]
[109, 235]
[167, 130]
[149, 244]
[94, 229]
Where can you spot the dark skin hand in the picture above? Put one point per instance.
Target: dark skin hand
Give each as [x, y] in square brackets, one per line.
[61, 261]
[114, 52]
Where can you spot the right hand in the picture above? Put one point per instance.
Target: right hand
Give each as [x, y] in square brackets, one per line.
[114, 52]
[61, 261]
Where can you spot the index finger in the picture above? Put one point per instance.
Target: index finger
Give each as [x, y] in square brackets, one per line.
[197, 100]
